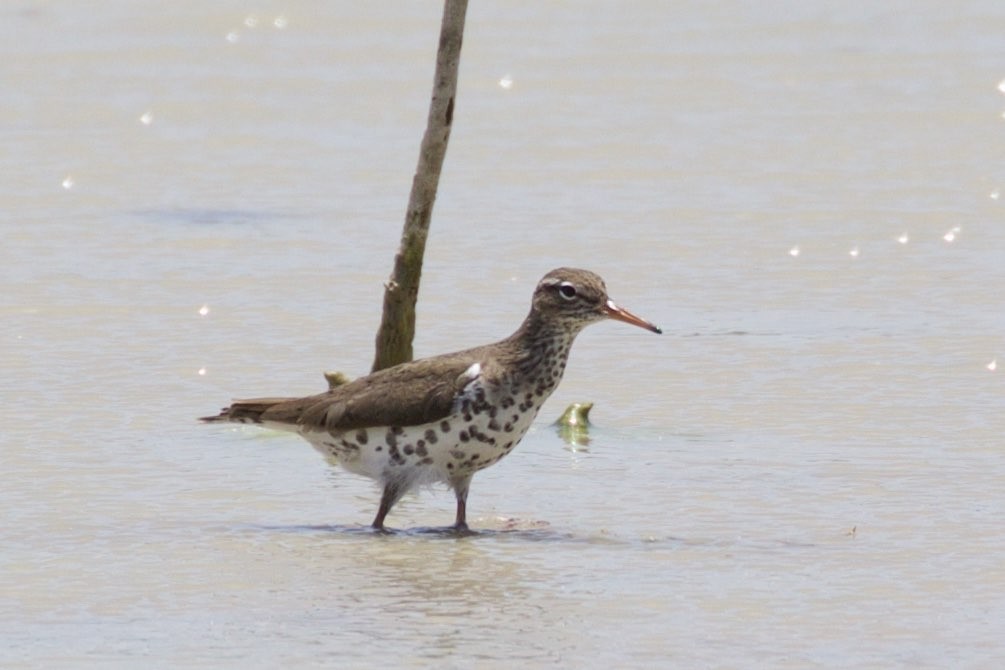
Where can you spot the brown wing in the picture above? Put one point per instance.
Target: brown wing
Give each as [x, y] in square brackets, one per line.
[406, 395]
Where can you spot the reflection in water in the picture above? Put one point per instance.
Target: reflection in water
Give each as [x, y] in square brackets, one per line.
[435, 598]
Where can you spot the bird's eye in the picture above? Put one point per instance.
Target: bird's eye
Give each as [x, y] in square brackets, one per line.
[567, 290]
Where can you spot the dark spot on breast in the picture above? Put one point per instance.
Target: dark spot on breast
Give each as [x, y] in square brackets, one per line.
[361, 437]
[391, 439]
[493, 425]
[430, 436]
[445, 426]
[463, 436]
[409, 450]
[428, 461]
[379, 448]
[420, 449]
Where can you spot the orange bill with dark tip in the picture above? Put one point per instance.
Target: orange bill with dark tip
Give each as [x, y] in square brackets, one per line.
[619, 314]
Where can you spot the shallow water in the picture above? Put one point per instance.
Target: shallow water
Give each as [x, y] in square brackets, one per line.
[804, 471]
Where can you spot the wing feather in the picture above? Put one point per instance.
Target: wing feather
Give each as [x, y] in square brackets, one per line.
[409, 394]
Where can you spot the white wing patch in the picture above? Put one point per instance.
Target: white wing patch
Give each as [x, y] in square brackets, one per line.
[472, 373]
[470, 381]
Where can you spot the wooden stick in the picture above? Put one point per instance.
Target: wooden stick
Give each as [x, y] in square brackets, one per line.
[397, 326]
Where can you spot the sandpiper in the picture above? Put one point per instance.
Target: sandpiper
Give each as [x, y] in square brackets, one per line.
[444, 418]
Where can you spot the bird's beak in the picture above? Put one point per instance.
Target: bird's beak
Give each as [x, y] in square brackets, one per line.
[614, 312]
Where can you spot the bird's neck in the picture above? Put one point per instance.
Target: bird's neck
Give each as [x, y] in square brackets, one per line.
[540, 349]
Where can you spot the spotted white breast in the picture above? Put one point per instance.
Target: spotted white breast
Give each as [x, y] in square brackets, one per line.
[487, 421]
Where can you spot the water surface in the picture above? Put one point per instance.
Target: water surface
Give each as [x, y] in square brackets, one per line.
[804, 471]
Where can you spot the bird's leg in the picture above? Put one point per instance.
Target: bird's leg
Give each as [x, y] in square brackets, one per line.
[460, 487]
[392, 493]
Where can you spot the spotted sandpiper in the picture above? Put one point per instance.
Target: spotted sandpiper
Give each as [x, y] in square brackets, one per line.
[442, 419]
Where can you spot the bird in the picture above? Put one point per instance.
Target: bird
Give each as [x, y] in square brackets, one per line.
[444, 418]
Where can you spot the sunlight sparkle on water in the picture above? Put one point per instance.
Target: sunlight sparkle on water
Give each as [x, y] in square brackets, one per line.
[794, 251]
[506, 82]
[854, 252]
[68, 182]
[993, 365]
[951, 234]
[204, 310]
[147, 117]
[903, 239]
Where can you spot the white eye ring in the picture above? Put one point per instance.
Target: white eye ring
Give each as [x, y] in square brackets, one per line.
[567, 290]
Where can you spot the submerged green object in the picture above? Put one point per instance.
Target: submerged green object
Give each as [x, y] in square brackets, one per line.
[574, 425]
[577, 414]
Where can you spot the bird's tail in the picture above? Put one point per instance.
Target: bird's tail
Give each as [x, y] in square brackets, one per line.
[247, 411]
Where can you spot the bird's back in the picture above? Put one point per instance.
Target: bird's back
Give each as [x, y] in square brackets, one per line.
[408, 394]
